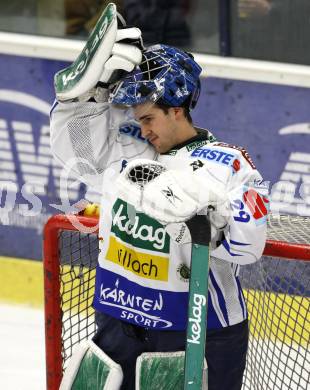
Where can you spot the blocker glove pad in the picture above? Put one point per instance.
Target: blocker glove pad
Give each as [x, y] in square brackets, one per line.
[108, 51]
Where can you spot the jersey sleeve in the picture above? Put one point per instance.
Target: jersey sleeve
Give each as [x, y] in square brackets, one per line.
[243, 239]
[81, 136]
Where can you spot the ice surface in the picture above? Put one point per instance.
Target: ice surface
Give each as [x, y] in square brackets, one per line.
[22, 349]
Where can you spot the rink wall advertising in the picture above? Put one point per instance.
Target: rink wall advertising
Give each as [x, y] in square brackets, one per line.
[29, 177]
[271, 121]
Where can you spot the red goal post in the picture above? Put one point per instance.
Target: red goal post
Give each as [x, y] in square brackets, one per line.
[277, 291]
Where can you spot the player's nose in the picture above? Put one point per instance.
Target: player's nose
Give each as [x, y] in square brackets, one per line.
[145, 131]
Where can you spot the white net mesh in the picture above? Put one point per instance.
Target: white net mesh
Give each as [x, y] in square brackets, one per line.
[289, 228]
[144, 173]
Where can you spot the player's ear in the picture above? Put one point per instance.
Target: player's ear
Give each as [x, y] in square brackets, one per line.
[178, 112]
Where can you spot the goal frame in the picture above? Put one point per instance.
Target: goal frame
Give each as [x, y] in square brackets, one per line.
[53, 323]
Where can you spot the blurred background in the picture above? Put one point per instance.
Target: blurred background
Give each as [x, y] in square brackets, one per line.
[272, 30]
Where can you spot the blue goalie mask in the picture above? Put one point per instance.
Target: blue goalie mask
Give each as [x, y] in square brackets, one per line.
[166, 74]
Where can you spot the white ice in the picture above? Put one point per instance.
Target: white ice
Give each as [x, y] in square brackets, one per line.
[22, 355]
[22, 349]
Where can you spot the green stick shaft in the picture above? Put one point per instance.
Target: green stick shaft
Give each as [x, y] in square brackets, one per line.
[197, 317]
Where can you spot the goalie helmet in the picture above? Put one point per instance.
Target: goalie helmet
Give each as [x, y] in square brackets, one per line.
[166, 74]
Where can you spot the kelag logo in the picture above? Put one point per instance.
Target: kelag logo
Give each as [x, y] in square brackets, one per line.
[29, 176]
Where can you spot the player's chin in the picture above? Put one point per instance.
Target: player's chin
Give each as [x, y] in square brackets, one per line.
[160, 148]
[155, 142]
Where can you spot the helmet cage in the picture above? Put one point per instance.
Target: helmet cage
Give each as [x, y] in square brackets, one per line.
[165, 73]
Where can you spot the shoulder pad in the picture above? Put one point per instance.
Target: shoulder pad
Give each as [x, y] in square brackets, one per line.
[242, 151]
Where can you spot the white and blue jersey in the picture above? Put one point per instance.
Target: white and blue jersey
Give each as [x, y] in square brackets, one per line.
[143, 275]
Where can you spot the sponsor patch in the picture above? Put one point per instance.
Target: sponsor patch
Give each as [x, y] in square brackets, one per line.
[142, 305]
[256, 203]
[257, 207]
[144, 265]
[196, 144]
[138, 229]
[215, 155]
[236, 165]
[195, 320]
[132, 130]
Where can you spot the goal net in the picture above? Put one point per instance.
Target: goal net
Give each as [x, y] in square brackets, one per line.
[276, 289]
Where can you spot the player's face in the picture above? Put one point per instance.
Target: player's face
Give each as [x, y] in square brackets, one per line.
[157, 126]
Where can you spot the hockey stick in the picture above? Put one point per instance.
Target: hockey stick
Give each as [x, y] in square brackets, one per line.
[169, 370]
[199, 227]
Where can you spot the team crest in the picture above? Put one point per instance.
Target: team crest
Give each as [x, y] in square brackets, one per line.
[183, 272]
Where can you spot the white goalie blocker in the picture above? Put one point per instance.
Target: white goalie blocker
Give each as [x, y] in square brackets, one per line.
[103, 54]
[90, 368]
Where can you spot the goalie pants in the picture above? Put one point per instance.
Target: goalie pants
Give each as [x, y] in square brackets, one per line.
[225, 349]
